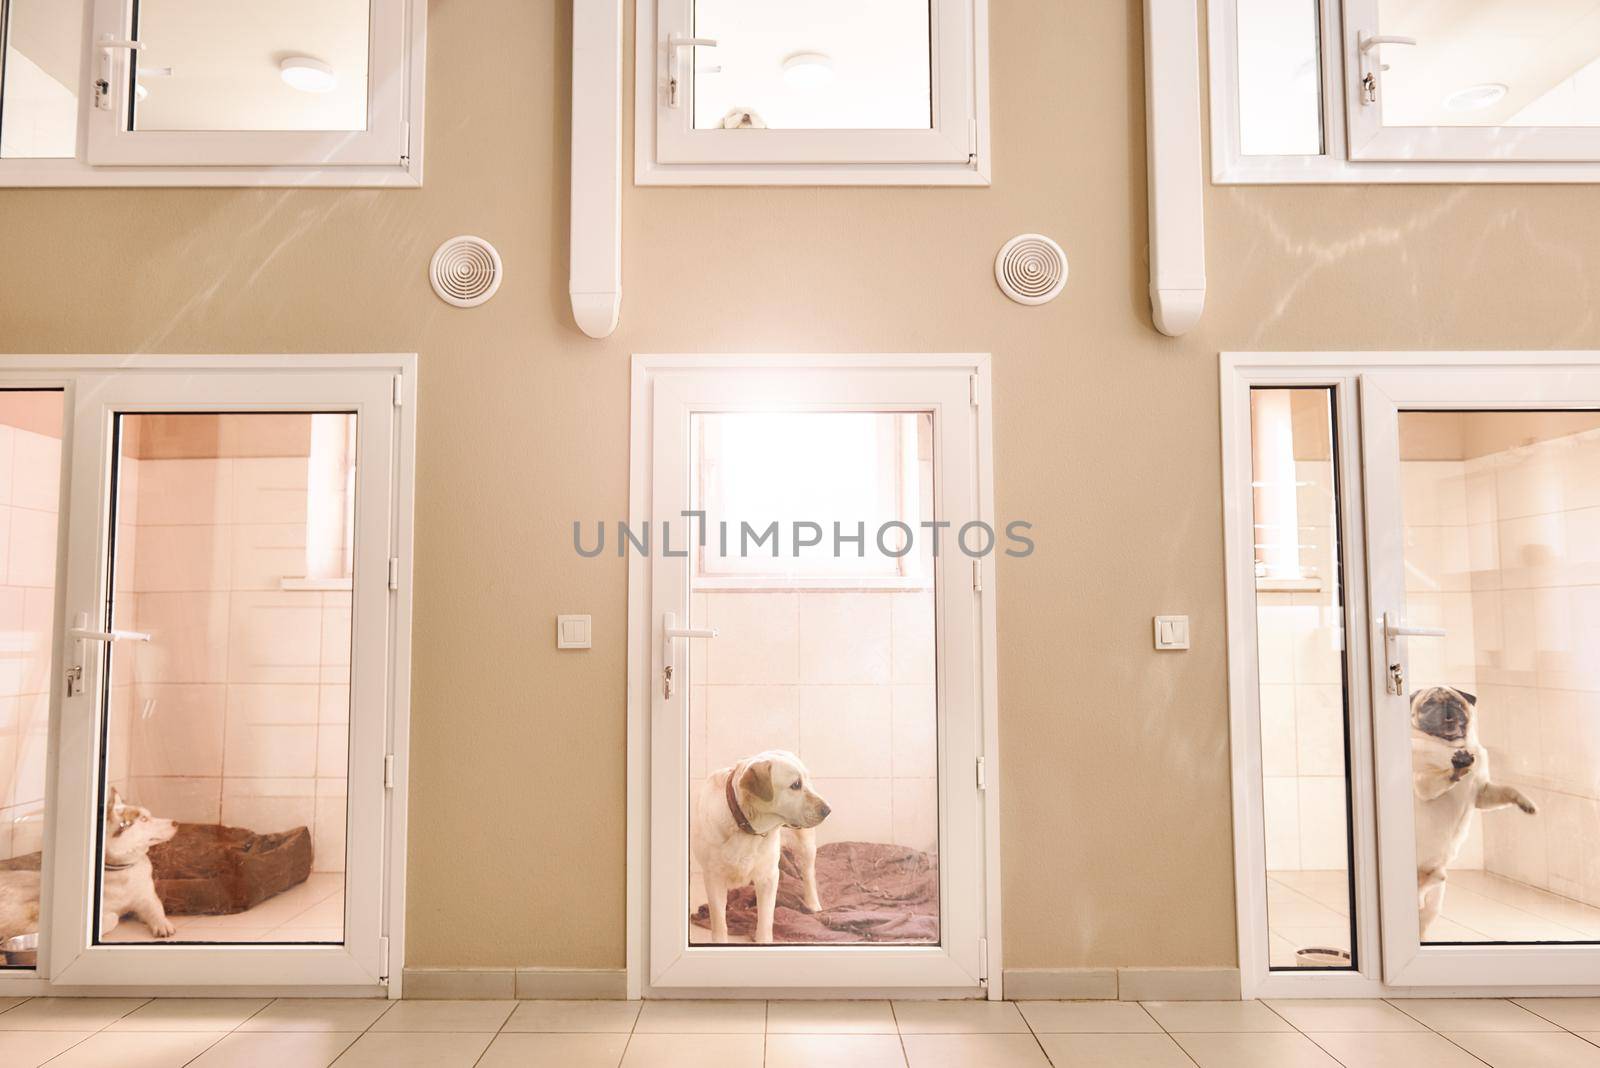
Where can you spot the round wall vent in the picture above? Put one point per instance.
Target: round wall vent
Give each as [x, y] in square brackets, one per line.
[1031, 269]
[465, 271]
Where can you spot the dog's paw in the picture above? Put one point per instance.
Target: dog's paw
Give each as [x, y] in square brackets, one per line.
[163, 929]
[1527, 806]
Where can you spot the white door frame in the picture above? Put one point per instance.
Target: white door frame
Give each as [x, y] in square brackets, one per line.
[1342, 372]
[62, 967]
[647, 370]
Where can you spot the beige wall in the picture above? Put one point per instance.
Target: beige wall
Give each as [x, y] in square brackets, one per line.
[1116, 808]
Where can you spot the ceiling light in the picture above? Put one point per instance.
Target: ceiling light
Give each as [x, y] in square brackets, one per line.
[1476, 97]
[807, 70]
[308, 75]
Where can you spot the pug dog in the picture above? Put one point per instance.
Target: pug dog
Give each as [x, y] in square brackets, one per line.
[740, 818]
[1450, 778]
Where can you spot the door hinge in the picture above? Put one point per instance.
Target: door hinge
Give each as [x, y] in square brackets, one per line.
[983, 778]
[977, 576]
[983, 960]
[399, 392]
[383, 958]
[394, 572]
[388, 771]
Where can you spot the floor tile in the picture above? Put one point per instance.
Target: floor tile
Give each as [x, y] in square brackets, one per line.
[142, 1049]
[590, 1016]
[67, 1014]
[958, 1018]
[1114, 1051]
[415, 1050]
[1201, 1016]
[1344, 1014]
[457, 1016]
[270, 1049]
[824, 1051]
[694, 1051]
[554, 1051]
[1085, 1017]
[971, 1050]
[317, 1014]
[1508, 1049]
[830, 1018]
[702, 1017]
[1254, 1051]
[191, 1014]
[1575, 1014]
[1471, 1014]
[10, 1003]
[29, 1049]
[1394, 1049]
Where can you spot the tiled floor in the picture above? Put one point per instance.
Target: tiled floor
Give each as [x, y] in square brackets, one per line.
[296, 1033]
[1309, 908]
[310, 912]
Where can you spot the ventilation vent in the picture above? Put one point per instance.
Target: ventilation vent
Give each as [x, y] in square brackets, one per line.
[1031, 269]
[465, 271]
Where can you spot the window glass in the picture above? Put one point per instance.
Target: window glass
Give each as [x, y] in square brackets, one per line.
[1280, 78]
[813, 65]
[1302, 678]
[38, 70]
[237, 65]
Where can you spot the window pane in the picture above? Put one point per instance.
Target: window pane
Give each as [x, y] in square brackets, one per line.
[1300, 631]
[231, 535]
[1503, 64]
[1280, 78]
[813, 65]
[38, 70]
[1502, 552]
[841, 683]
[30, 490]
[237, 65]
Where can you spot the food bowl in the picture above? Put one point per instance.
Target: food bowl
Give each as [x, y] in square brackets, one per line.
[21, 951]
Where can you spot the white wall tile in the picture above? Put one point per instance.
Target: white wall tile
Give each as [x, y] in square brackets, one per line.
[862, 810]
[7, 448]
[173, 492]
[176, 729]
[912, 623]
[846, 731]
[188, 638]
[269, 490]
[31, 560]
[275, 637]
[1319, 729]
[1324, 839]
[188, 800]
[36, 471]
[271, 731]
[744, 720]
[916, 814]
[758, 638]
[1278, 747]
[844, 638]
[328, 830]
[268, 806]
[170, 559]
[333, 750]
[1528, 482]
[1579, 464]
[915, 749]
[264, 554]
[1281, 811]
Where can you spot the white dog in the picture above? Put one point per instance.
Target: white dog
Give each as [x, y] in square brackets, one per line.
[1450, 777]
[739, 821]
[127, 881]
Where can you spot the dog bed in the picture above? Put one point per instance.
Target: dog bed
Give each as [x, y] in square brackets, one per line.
[211, 870]
[870, 891]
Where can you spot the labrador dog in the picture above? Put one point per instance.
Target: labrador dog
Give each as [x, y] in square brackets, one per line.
[127, 880]
[740, 818]
[1450, 777]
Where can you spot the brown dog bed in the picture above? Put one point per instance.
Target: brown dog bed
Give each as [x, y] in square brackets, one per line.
[871, 892]
[211, 870]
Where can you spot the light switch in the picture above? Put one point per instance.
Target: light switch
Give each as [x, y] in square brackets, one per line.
[572, 632]
[1172, 632]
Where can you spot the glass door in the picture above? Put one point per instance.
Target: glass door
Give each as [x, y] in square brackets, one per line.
[815, 816]
[224, 702]
[1483, 507]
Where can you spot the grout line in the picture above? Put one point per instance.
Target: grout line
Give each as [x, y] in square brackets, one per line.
[498, 1032]
[905, 1057]
[1164, 1029]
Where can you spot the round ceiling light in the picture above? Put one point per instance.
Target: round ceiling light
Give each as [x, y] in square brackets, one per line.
[807, 70]
[1476, 97]
[308, 75]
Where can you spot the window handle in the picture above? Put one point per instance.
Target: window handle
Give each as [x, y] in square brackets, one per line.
[102, 85]
[81, 635]
[108, 635]
[676, 43]
[1366, 44]
[669, 632]
[1395, 628]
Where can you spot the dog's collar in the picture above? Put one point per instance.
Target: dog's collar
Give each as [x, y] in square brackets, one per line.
[739, 817]
[119, 867]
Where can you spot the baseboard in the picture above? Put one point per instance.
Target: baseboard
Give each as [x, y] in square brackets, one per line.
[572, 984]
[1129, 984]
[1178, 984]
[460, 984]
[1060, 984]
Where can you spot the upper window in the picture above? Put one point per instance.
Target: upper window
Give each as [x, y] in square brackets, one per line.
[1405, 90]
[815, 91]
[144, 91]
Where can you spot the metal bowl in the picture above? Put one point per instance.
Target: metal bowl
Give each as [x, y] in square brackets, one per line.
[21, 951]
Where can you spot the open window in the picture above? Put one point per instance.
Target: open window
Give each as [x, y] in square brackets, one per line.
[826, 92]
[1405, 91]
[172, 92]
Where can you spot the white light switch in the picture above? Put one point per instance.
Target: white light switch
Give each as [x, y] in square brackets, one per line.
[572, 632]
[1172, 632]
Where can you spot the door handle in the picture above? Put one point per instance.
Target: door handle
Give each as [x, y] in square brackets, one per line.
[676, 43]
[1395, 628]
[670, 631]
[81, 635]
